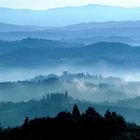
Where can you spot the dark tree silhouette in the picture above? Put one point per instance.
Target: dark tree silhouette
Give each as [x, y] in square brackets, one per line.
[26, 121]
[75, 111]
[64, 115]
[90, 112]
[66, 125]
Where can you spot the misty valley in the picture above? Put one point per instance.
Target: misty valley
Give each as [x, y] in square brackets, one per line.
[70, 72]
[41, 77]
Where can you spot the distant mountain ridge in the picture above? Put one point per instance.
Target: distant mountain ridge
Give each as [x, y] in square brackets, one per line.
[68, 15]
[4, 27]
[83, 33]
[36, 52]
[107, 24]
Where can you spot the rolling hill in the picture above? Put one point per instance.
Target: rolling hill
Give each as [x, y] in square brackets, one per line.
[68, 15]
[84, 33]
[20, 28]
[37, 52]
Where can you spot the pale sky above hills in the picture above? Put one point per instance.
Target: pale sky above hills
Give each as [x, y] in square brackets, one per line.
[46, 4]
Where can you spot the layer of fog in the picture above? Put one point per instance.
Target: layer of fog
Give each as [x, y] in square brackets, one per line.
[20, 74]
[96, 89]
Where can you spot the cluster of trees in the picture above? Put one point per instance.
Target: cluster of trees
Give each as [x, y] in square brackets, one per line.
[69, 125]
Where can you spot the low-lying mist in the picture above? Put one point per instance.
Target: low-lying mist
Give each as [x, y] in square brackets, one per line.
[20, 74]
[84, 84]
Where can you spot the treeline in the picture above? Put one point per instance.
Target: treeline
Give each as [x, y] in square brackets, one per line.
[72, 125]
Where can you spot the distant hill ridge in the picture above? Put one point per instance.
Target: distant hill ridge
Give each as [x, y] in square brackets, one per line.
[5, 27]
[66, 15]
[83, 32]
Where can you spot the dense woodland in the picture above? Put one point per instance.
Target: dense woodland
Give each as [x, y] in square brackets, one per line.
[87, 125]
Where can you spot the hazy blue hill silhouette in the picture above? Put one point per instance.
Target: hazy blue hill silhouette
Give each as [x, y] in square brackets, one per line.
[4, 27]
[86, 33]
[131, 102]
[37, 52]
[103, 25]
[63, 16]
[109, 47]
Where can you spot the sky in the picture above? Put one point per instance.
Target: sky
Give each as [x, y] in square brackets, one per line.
[47, 4]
